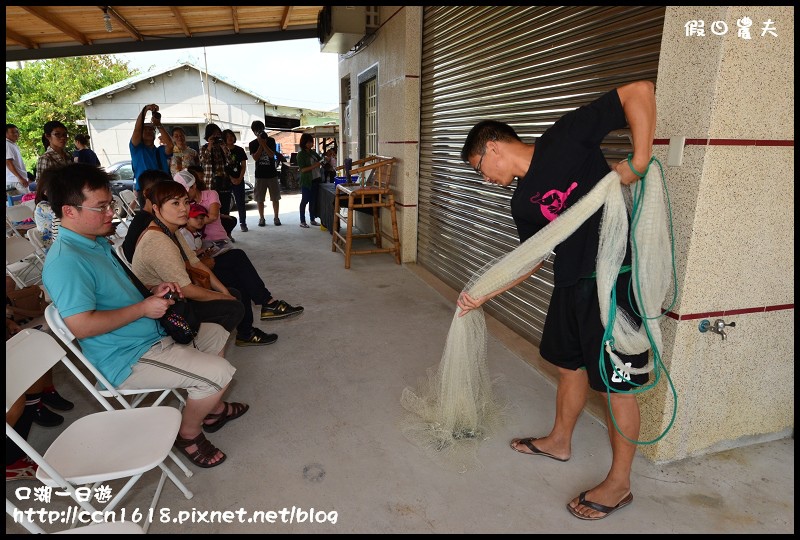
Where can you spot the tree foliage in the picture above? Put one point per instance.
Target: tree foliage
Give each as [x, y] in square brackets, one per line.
[44, 90]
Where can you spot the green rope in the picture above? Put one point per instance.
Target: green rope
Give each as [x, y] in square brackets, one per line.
[638, 191]
[637, 173]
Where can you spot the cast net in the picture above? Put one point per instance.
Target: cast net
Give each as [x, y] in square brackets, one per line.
[455, 407]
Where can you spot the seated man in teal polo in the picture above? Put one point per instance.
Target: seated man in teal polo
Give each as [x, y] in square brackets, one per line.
[118, 329]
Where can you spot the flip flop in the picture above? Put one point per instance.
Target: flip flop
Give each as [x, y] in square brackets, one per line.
[237, 410]
[607, 510]
[528, 441]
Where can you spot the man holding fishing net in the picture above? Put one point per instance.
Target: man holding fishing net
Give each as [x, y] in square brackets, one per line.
[564, 164]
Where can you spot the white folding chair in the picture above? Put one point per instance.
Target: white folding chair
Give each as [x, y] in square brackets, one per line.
[100, 447]
[106, 389]
[24, 263]
[35, 237]
[17, 217]
[121, 255]
[122, 215]
[129, 200]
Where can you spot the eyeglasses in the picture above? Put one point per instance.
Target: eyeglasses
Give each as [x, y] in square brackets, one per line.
[480, 162]
[108, 207]
[59, 134]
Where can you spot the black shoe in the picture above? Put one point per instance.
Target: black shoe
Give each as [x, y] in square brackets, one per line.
[54, 400]
[277, 222]
[262, 222]
[279, 310]
[47, 418]
[259, 337]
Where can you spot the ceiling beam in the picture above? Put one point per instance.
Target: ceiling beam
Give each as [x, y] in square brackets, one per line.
[235, 17]
[22, 40]
[58, 24]
[181, 21]
[134, 33]
[285, 19]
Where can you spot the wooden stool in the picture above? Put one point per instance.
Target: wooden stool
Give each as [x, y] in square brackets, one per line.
[374, 194]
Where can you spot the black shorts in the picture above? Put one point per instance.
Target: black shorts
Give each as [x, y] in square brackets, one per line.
[572, 337]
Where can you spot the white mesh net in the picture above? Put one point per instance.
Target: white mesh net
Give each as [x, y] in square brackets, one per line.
[454, 408]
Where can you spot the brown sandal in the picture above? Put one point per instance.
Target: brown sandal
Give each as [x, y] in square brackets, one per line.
[205, 453]
[237, 410]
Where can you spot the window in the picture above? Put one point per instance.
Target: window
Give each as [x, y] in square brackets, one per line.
[371, 117]
[368, 112]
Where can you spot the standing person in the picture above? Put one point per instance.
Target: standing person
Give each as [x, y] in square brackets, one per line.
[317, 178]
[214, 156]
[144, 152]
[235, 169]
[54, 139]
[183, 155]
[264, 151]
[118, 329]
[309, 165]
[567, 160]
[16, 175]
[82, 153]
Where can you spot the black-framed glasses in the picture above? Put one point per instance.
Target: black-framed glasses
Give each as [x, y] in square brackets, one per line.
[477, 169]
[108, 207]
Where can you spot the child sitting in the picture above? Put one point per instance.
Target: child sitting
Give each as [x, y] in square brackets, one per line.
[194, 233]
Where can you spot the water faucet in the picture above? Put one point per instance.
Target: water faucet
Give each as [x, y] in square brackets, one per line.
[718, 326]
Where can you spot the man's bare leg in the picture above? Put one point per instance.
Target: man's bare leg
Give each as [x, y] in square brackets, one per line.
[617, 484]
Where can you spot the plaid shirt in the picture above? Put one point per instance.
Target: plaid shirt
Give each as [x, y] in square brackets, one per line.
[213, 159]
[50, 160]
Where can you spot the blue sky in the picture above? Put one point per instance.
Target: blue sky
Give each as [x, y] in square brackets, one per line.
[293, 73]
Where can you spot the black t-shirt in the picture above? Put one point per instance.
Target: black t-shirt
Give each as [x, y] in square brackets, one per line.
[567, 163]
[234, 166]
[141, 220]
[265, 166]
[86, 155]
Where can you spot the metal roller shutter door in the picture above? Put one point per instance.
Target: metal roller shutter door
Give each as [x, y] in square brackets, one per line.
[526, 66]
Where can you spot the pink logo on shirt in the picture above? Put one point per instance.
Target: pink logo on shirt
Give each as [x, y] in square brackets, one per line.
[553, 202]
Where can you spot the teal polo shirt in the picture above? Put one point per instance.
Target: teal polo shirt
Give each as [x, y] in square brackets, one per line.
[84, 275]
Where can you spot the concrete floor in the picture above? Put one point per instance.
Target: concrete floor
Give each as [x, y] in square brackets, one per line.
[322, 432]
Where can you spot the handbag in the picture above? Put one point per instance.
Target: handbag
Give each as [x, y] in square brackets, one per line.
[208, 261]
[180, 321]
[199, 277]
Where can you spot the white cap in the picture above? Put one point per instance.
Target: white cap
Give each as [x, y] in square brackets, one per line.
[185, 178]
